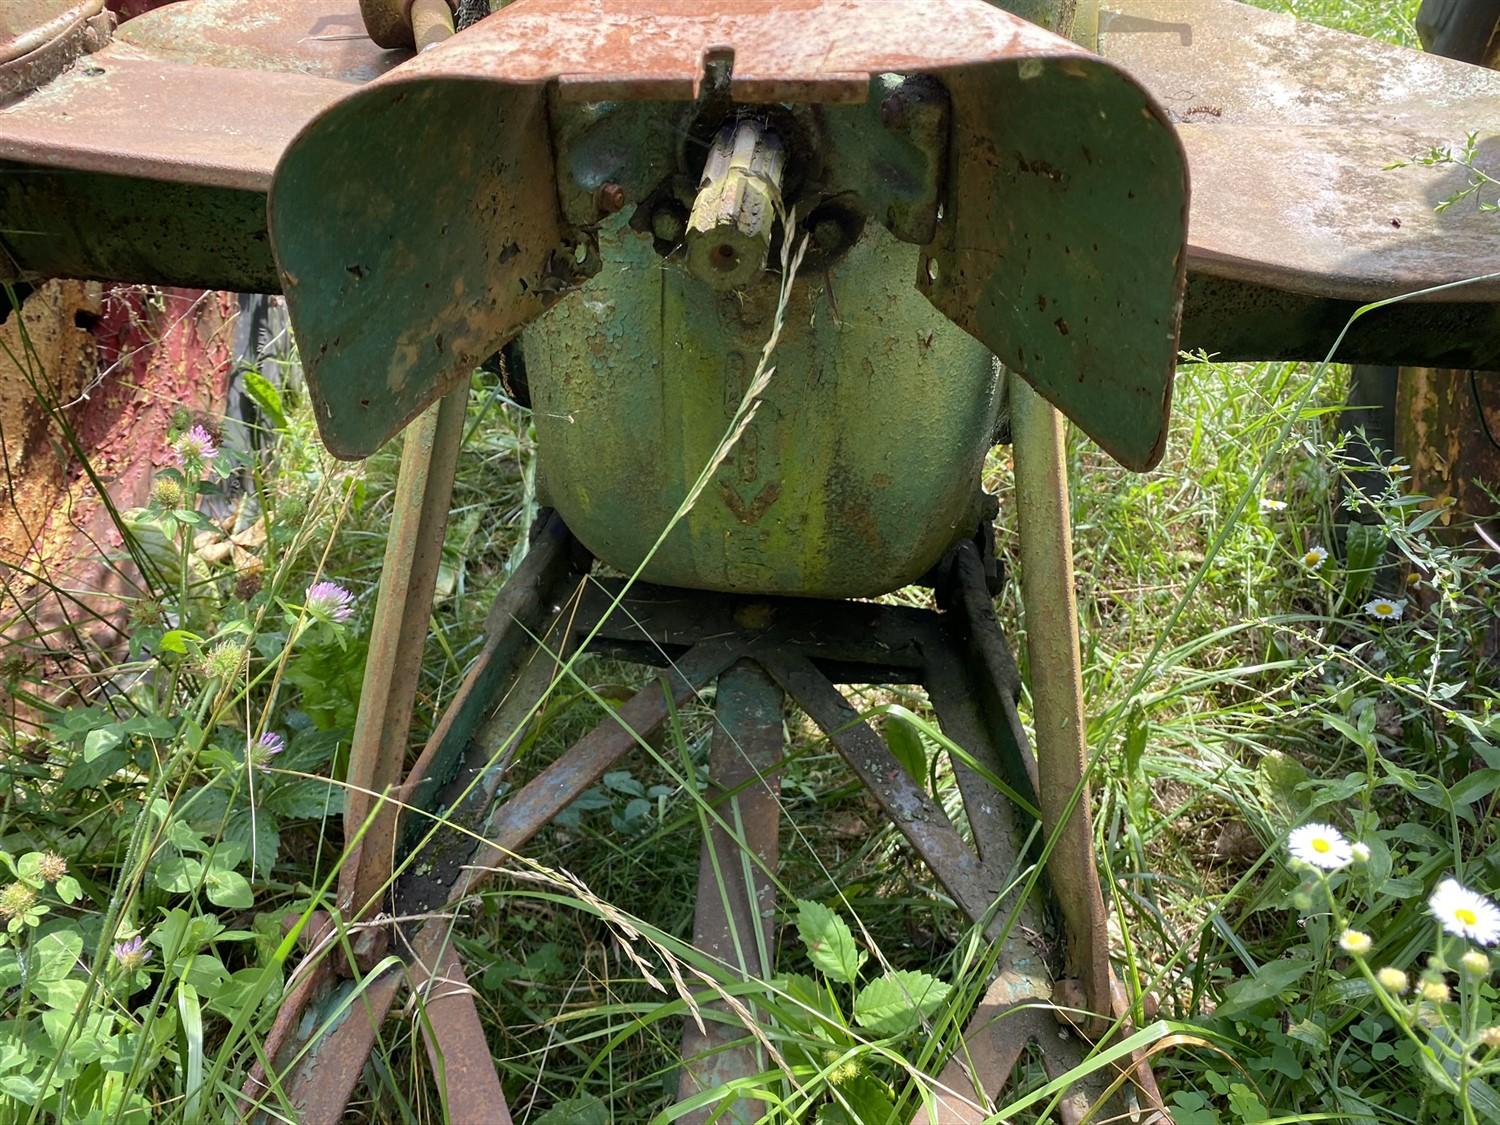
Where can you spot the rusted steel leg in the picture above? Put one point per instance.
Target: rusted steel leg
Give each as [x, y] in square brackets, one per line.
[424, 488]
[528, 810]
[736, 897]
[456, 1047]
[1057, 686]
[444, 848]
[920, 818]
[319, 1088]
[520, 615]
[1017, 1008]
[326, 1077]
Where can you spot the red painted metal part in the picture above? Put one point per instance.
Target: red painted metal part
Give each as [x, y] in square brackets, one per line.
[144, 356]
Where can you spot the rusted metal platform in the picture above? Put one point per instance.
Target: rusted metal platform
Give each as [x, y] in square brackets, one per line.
[1296, 219]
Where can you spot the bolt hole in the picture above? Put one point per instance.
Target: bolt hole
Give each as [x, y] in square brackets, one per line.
[724, 257]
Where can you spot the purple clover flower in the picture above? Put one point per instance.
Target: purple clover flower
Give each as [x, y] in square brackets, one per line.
[196, 448]
[267, 746]
[329, 599]
[132, 954]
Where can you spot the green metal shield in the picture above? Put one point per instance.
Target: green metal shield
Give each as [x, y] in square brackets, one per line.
[417, 222]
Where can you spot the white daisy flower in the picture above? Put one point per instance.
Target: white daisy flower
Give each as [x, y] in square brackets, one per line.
[1320, 845]
[1465, 913]
[1268, 506]
[1315, 557]
[1383, 609]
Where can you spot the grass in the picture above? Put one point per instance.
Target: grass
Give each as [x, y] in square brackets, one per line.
[1233, 693]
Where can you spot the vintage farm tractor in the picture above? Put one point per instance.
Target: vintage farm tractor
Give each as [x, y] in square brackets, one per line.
[615, 191]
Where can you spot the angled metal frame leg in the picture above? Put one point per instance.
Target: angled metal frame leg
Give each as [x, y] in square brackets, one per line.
[735, 914]
[326, 1077]
[1046, 546]
[974, 687]
[456, 1046]
[910, 807]
[414, 550]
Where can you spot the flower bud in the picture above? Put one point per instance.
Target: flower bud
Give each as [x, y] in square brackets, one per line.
[1393, 980]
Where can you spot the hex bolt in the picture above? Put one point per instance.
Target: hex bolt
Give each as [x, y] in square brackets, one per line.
[668, 223]
[729, 232]
[609, 198]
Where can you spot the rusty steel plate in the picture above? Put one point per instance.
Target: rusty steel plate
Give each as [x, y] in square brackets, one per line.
[324, 38]
[1289, 128]
[126, 112]
[194, 93]
[1061, 249]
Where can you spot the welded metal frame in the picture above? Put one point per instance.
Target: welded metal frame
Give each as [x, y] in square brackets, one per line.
[761, 652]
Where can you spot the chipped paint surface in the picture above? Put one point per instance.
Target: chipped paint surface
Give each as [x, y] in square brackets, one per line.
[859, 469]
[1447, 423]
[124, 361]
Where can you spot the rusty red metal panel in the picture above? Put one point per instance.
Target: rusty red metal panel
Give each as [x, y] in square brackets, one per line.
[117, 364]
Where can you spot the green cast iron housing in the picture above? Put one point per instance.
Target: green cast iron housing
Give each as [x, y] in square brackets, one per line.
[858, 471]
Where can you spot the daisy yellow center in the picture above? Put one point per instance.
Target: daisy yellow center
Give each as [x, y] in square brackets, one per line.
[1466, 916]
[1321, 845]
[1311, 556]
[1383, 610]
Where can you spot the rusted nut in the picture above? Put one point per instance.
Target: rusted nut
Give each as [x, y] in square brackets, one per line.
[1068, 1002]
[609, 198]
[1150, 1006]
[668, 223]
[729, 232]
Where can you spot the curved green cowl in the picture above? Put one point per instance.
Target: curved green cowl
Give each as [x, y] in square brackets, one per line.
[859, 470]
